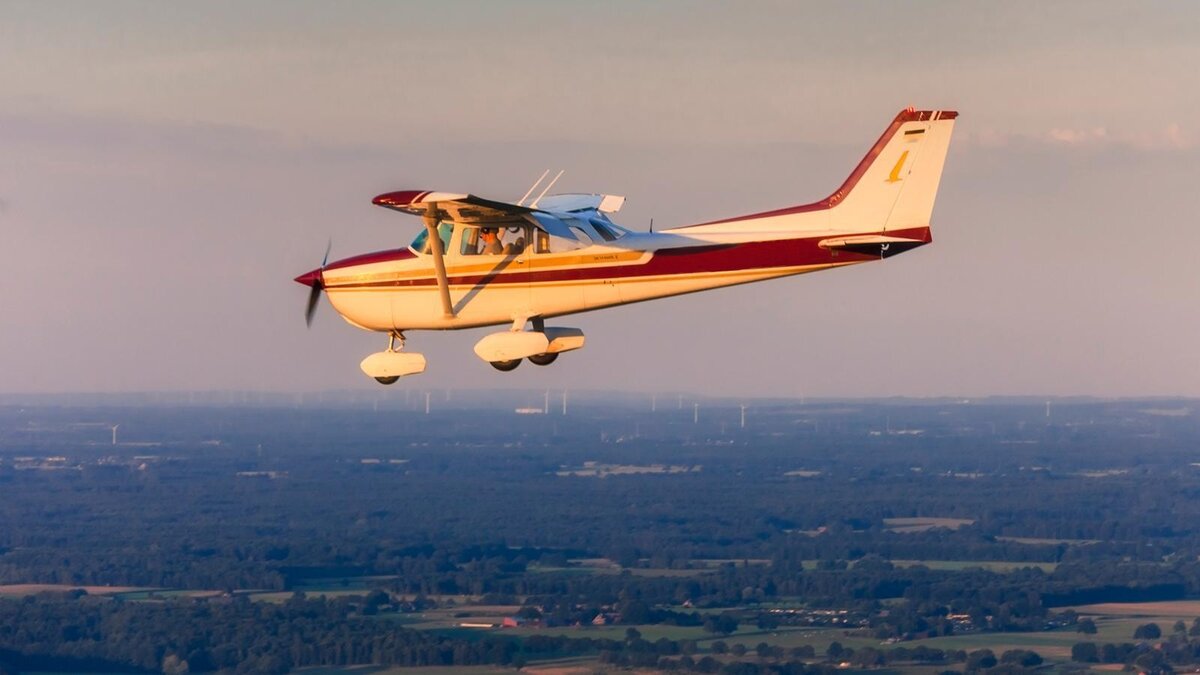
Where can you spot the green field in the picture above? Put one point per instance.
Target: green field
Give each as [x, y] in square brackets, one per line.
[1000, 567]
[906, 525]
[649, 632]
[1116, 621]
[1035, 541]
[990, 565]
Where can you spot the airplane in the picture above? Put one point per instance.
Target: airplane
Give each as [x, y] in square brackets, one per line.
[479, 262]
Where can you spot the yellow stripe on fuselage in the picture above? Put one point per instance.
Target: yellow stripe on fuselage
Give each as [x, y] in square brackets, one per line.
[544, 263]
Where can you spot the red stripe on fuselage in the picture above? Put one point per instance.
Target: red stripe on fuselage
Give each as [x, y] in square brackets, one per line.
[690, 260]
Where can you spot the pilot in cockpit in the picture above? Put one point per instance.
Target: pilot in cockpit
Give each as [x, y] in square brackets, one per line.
[491, 241]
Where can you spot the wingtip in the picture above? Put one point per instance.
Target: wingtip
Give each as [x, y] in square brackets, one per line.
[399, 199]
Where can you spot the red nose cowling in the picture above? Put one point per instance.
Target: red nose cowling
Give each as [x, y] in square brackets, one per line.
[311, 279]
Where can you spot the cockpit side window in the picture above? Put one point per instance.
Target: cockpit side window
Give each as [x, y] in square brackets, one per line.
[470, 241]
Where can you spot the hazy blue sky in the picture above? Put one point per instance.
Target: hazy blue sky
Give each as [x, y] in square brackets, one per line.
[167, 168]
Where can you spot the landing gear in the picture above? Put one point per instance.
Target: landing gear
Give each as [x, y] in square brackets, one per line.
[391, 364]
[543, 359]
[541, 346]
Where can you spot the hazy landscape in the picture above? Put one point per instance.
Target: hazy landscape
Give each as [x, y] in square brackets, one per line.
[269, 534]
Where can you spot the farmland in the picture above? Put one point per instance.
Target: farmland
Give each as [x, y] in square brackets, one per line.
[618, 536]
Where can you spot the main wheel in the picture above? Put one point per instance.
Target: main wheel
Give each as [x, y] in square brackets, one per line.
[543, 359]
[391, 379]
[505, 366]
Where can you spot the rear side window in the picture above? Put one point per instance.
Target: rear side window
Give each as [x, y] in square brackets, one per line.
[604, 230]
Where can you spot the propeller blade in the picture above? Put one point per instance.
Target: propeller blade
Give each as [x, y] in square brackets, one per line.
[315, 279]
[314, 298]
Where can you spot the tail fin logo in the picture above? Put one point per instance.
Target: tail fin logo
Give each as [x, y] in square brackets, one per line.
[894, 176]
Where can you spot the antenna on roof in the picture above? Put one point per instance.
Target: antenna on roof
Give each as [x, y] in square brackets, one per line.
[651, 224]
[550, 185]
[521, 201]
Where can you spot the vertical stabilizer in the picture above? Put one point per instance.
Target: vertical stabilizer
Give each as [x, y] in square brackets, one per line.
[896, 188]
[893, 187]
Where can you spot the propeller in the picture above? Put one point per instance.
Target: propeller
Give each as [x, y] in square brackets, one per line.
[316, 279]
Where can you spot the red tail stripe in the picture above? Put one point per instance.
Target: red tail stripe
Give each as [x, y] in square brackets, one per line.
[840, 194]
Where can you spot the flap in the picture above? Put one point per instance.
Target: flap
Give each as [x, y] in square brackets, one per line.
[581, 202]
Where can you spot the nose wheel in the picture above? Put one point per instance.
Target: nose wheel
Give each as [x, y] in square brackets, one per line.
[389, 365]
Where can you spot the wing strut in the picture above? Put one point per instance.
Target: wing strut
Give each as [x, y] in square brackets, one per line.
[439, 265]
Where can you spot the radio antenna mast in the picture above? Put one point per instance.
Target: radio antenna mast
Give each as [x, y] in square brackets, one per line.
[543, 194]
[521, 201]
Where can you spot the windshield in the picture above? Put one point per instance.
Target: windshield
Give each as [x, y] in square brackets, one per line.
[421, 245]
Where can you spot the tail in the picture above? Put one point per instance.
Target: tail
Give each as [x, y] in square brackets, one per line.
[892, 189]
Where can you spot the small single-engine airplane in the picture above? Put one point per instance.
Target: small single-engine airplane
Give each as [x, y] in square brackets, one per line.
[480, 262]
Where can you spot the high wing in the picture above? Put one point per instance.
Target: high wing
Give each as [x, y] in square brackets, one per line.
[455, 207]
[472, 210]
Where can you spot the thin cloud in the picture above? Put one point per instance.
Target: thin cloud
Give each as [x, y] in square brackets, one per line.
[1171, 137]
[1078, 136]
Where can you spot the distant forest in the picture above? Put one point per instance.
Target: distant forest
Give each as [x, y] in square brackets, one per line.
[821, 506]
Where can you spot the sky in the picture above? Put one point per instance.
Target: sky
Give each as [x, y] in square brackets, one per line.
[166, 169]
